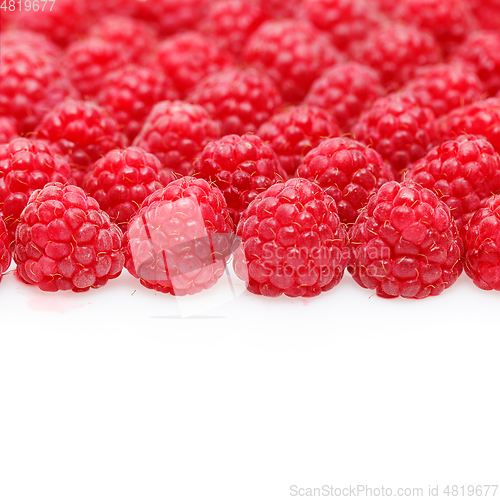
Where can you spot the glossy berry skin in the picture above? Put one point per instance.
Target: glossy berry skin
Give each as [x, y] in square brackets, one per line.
[7, 129]
[180, 239]
[463, 173]
[65, 242]
[405, 243]
[295, 131]
[241, 167]
[482, 246]
[25, 166]
[293, 53]
[121, 181]
[187, 58]
[5, 255]
[444, 87]
[292, 242]
[176, 132]
[396, 52]
[83, 132]
[240, 100]
[348, 171]
[399, 128]
[129, 94]
[345, 90]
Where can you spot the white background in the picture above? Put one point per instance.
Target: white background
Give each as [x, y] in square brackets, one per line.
[111, 395]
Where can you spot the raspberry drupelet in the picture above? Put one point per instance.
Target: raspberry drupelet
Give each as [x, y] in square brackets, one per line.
[35, 42]
[348, 171]
[65, 242]
[83, 132]
[463, 173]
[240, 100]
[25, 166]
[405, 243]
[241, 167]
[7, 129]
[345, 90]
[293, 53]
[293, 242]
[5, 255]
[181, 238]
[176, 132]
[295, 131]
[482, 246]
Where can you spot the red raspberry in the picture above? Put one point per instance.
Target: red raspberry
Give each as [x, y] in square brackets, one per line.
[396, 52]
[180, 239]
[405, 243]
[348, 171]
[7, 129]
[293, 53]
[444, 87]
[121, 180]
[481, 50]
[240, 100]
[346, 21]
[231, 22]
[399, 128]
[35, 42]
[478, 118]
[241, 167]
[26, 166]
[482, 246]
[83, 132]
[292, 242]
[277, 9]
[450, 21]
[463, 173]
[89, 61]
[136, 38]
[295, 131]
[130, 93]
[487, 13]
[5, 255]
[176, 132]
[187, 58]
[31, 83]
[65, 242]
[99, 8]
[345, 90]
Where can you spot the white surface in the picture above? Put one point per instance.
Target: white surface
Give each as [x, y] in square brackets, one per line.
[111, 395]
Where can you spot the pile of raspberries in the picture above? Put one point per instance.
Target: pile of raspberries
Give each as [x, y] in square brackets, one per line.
[289, 140]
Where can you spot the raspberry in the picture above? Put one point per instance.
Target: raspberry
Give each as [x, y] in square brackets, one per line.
[396, 52]
[31, 83]
[25, 166]
[135, 37]
[346, 21]
[65, 242]
[7, 129]
[122, 8]
[5, 255]
[405, 243]
[295, 131]
[35, 42]
[130, 93]
[449, 21]
[83, 132]
[176, 131]
[293, 53]
[398, 128]
[482, 246]
[348, 171]
[345, 90]
[292, 242]
[241, 167]
[121, 180]
[180, 239]
[478, 118]
[444, 87]
[487, 13]
[187, 58]
[277, 9]
[89, 61]
[231, 22]
[240, 100]
[481, 50]
[463, 173]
